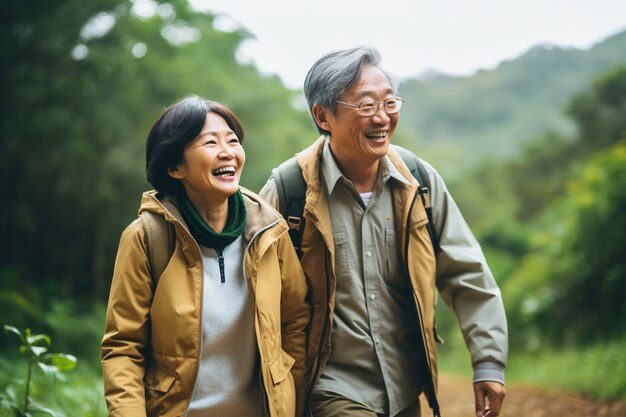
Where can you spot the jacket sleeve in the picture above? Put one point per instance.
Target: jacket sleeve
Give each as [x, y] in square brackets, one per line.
[127, 327]
[467, 285]
[295, 315]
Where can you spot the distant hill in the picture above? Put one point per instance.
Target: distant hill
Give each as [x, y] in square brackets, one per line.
[456, 121]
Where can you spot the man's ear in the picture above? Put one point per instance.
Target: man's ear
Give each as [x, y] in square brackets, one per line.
[320, 115]
[175, 173]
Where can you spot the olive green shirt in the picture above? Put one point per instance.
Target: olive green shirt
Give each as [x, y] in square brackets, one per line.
[375, 338]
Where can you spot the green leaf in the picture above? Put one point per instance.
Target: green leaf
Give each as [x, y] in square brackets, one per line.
[14, 330]
[11, 395]
[18, 411]
[9, 401]
[39, 339]
[48, 369]
[36, 409]
[38, 350]
[62, 361]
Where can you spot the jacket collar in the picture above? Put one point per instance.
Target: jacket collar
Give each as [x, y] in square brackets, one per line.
[259, 213]
[332, 173]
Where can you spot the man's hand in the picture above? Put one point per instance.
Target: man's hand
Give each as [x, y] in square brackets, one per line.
[488, 391]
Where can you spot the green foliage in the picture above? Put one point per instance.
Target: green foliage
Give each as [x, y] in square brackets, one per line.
[79, 395]
[576, 272]
[551, 222]
[74, 126]
[600, 112]
[598, 370]
[539, 174]
[35, 348]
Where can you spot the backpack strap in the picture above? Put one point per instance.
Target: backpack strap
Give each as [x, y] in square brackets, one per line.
[419, 173]
[160, 242]
[291, 189]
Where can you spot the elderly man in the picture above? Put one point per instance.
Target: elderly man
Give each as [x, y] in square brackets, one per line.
[369, 259]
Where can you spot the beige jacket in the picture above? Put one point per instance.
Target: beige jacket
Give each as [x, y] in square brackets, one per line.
[459, 271]
[151, 347]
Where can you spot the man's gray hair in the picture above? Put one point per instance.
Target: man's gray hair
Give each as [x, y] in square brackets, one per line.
[335, 73]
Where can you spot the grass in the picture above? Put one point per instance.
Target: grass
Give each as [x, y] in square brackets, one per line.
[597, 371]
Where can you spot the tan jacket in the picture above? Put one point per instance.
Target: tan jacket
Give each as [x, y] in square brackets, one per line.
[459, 271]
[151, 347]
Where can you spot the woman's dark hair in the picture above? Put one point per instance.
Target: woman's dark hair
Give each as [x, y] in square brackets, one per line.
[174, 128]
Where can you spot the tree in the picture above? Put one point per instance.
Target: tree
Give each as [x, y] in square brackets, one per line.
[85, 82]
[599, 114]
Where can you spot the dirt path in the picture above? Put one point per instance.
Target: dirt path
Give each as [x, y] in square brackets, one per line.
[457, 400]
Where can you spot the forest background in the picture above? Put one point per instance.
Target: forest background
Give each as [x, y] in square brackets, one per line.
[534, 152]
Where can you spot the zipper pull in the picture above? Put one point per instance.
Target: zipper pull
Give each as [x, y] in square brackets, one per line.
[220, 260]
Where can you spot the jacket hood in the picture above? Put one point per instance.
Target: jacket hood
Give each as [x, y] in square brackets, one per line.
[260, 214]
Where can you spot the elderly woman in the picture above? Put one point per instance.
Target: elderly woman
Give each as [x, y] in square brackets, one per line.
[221, 331]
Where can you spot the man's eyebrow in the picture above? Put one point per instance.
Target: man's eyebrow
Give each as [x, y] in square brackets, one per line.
[371, 92]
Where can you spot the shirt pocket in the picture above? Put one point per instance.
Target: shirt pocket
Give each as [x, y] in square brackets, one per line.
[391, 251]
[342, 268]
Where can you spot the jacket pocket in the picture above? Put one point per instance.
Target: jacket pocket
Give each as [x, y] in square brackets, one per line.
[282, 391]
[280, 367]
[159, 379]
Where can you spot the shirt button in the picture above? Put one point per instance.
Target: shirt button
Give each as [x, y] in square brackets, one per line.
[377, 340]
[372, 296]
[368, 253]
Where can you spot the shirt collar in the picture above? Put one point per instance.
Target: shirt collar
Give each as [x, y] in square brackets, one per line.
[332, 174]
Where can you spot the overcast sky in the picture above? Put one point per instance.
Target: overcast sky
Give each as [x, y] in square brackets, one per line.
[452, 36]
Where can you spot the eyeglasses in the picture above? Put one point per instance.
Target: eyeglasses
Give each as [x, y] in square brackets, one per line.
[369, 108]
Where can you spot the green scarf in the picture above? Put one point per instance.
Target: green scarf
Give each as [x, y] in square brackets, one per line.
[203, 233]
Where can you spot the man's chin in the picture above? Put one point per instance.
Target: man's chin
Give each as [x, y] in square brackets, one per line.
[379, 147]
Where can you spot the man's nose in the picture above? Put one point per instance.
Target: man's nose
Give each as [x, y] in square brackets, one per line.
[381, 116]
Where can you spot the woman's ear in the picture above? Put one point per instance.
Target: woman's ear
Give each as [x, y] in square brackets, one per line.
[320, 115]
[176, 173]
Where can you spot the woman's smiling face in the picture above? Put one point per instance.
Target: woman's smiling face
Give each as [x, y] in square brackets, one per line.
[212, 162]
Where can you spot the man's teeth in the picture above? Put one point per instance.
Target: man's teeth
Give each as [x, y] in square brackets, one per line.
[377, 135]
[224, 172]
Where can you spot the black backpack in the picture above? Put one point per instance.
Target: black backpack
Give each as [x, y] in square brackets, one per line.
[291, 189]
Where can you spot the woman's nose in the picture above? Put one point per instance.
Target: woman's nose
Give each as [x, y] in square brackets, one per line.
[226, 154]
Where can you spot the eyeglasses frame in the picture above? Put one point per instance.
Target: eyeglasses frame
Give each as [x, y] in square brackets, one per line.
[378, 103]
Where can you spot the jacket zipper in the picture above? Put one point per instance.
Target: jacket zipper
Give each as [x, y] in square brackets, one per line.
[220, 261]
[431, 385]
[264, 403]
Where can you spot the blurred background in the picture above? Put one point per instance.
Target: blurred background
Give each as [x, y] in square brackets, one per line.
[531, 141]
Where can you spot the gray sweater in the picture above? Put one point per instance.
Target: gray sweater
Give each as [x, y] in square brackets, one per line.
[227, 383]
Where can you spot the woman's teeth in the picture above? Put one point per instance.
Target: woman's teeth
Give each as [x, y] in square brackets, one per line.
[224, 172]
